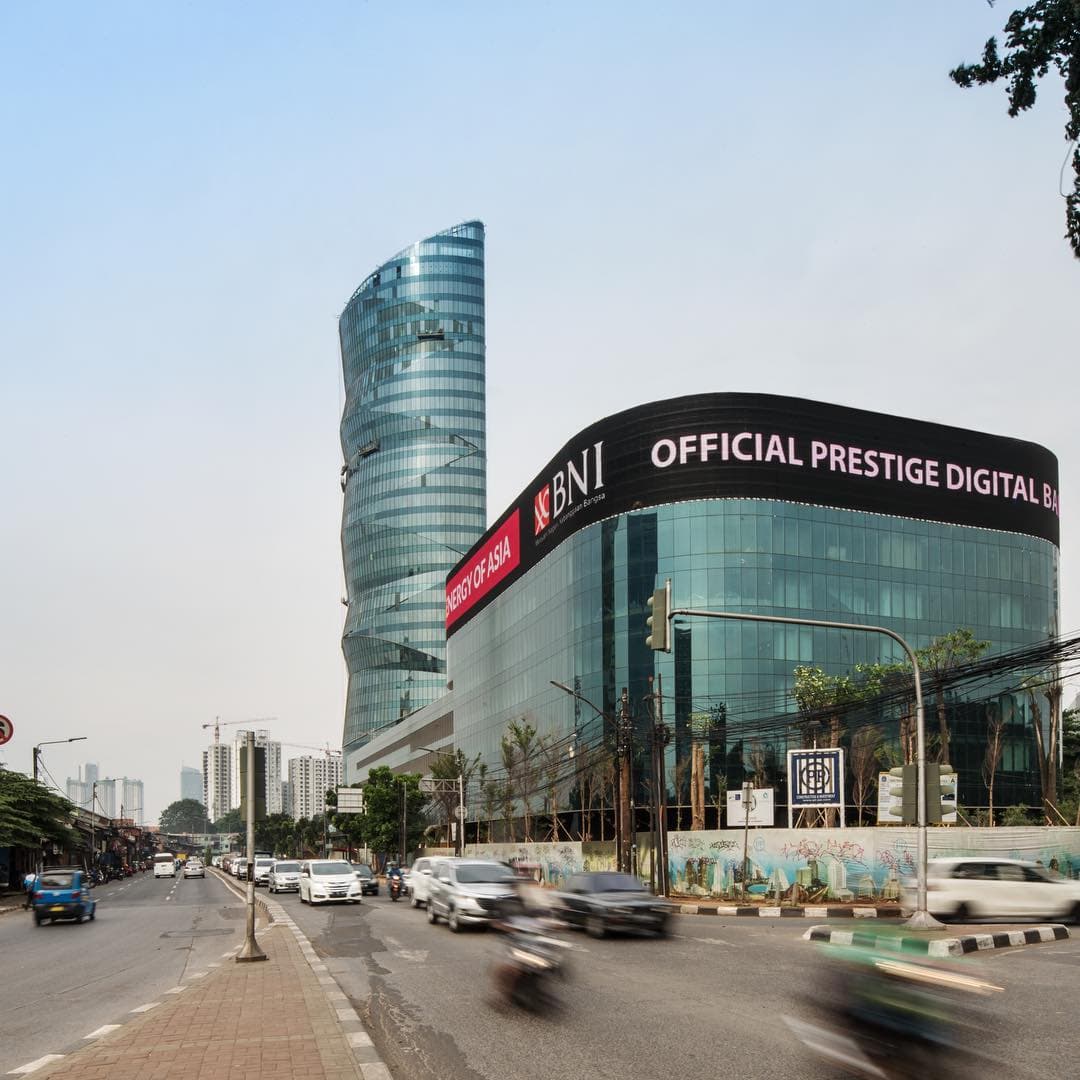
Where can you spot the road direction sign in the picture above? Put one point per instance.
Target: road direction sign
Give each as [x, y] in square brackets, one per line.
[7, 729]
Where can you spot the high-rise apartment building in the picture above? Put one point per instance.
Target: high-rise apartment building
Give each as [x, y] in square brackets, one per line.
[309, 780]
[79, 792]
[131, 800]
[414, 478]
[273, 769]
[191, 783]
[217, 780]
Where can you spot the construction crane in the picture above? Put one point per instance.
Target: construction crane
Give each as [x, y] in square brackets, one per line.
[325, 748]
[218, 724]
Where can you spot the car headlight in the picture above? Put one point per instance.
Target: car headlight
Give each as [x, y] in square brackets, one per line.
[470, 902]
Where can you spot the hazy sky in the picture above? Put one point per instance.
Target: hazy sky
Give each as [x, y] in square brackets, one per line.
[787, 198]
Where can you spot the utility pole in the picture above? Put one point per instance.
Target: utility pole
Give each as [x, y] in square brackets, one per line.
[659, 740]
[747, 792]
[52, 742]
[626, 781]
[251, 950]
[404, 820]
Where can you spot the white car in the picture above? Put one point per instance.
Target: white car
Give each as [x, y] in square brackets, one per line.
[418, 884]
[323, 880]
[284, 876]
[263, 863]
[990, 888]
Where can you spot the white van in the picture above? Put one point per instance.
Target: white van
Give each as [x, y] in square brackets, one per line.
[164, 864]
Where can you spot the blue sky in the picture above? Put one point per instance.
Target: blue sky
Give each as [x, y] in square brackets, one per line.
[786, 198]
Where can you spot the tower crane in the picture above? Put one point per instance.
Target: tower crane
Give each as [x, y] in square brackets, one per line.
[218, 724]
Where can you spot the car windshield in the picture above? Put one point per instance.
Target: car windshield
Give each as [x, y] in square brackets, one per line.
[264, 862]
[481, 874]
[328, 869]
[616, 883]
[286, 868]
[51, 879]
[362, 870]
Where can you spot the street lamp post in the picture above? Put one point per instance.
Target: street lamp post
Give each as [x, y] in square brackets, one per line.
[921, 918]
[93, 803]
[52, 742]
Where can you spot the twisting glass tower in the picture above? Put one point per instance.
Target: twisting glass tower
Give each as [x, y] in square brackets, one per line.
[412, 436]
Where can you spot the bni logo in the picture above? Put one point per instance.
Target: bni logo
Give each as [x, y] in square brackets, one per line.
[541, 509]
[572, 483]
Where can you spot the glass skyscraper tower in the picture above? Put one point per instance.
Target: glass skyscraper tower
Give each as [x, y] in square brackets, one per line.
[414, 478]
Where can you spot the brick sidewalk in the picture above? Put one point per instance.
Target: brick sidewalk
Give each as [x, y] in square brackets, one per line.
[251, 1020]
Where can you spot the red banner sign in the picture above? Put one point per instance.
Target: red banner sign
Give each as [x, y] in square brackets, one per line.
[500, 555]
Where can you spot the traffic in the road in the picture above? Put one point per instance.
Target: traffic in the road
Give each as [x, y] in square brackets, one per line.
[120, 947]
[626, 1000]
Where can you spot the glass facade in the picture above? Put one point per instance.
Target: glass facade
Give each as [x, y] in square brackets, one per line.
[578, 617]
[413, 441]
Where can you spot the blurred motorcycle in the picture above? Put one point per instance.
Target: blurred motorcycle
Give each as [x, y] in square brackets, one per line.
[894, 1017]
[530, 964]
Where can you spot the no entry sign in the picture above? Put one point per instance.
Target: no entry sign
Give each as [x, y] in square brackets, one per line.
[7, 729]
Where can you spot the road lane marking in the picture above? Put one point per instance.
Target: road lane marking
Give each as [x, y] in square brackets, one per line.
[48, 1059]
[146, 1008]
[176, 990]
[196, 975]
[213, 965]
[103, 1030]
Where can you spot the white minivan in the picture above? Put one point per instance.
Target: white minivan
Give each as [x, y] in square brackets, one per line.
[164, 864]
[323, 880]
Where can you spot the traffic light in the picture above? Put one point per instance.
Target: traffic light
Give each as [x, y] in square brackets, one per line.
[657, 621]
[937, 802]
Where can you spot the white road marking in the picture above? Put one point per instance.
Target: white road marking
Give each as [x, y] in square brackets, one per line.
[103, 1030]
[176, 990]
[48, 1059]
[146, 1008]
[213, 965]
[196, 974]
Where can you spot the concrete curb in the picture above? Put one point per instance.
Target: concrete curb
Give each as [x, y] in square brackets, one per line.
[372, 1067]
[952, 946]
[809, 912]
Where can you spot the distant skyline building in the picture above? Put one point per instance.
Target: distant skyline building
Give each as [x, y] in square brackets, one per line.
[309, 780]
[191, 783]
[273, 769]
[414, 446]
[217, 780]
[131, 799]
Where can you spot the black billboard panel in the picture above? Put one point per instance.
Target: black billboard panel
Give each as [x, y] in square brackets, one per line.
[760, 446]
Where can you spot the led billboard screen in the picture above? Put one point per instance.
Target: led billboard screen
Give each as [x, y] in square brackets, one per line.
[757, 446]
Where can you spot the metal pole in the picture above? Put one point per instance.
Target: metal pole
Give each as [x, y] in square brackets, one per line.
[461, 814]
[662, 787]
[746, 789]
[251, 950]
[36, 749]
[921, 918]
[404, 822]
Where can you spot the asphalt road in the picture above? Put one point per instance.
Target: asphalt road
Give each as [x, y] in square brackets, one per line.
[64, 980]
[704, 1005]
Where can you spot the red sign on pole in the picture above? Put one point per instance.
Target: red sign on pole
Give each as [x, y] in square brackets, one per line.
[7, 729]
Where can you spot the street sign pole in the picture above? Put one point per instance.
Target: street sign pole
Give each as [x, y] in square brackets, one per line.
[251, 950]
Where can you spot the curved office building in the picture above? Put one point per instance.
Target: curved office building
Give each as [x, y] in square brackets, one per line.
[412, 437]
[756, 504]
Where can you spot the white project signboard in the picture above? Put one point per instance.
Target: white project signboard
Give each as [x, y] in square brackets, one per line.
[761, 808]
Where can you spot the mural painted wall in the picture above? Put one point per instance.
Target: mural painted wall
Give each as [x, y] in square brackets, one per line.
[815, 865]
[798, 865]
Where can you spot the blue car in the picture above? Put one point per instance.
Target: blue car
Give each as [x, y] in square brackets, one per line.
[62, 892]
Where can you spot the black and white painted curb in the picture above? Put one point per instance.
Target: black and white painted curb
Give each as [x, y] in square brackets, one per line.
[809, 912]
[952, 946]
[372, 1067]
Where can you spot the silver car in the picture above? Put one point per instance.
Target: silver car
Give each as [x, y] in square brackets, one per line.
[468, 892]
[284, 876]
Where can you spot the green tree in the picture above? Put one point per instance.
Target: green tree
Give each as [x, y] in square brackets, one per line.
[1040, 37]
[519, 748]
[276, 833]
[183, 816]
[30, 813]
[938, 661]
[385, 794]
[229, 822]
